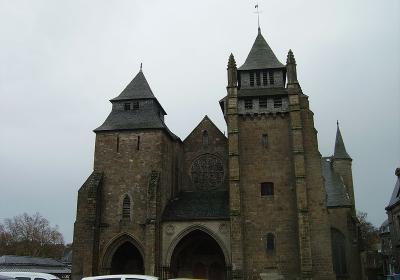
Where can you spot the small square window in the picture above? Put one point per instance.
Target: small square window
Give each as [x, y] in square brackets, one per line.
[263, 102]
[277, 102]
[267, 189]
[127, 106]
[248, 104]
[135, 105]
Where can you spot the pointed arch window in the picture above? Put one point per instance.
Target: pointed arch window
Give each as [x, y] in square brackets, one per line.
[126, 208]
[205, 138]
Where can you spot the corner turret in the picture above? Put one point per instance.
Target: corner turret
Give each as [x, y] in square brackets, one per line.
[340, 150]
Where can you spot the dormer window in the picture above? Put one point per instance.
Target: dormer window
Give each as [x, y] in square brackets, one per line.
[271, 78]
[127, 106]
[252, 79]
[248, 104]
[135, 105]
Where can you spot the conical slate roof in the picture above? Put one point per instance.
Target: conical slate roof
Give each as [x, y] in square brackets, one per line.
[261, 56]
[340, 149]
[138, 88]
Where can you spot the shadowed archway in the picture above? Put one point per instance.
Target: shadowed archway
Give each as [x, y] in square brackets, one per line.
[123, 256]
[198, 255]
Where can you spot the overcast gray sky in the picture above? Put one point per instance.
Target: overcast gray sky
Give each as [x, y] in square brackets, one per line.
[61, 61]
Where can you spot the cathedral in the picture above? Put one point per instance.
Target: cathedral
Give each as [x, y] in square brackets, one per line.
[258, 203]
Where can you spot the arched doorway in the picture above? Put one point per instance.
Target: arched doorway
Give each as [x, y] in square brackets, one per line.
[198, 255]
[123, 257]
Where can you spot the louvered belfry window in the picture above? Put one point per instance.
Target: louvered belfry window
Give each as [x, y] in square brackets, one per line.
[126, 208]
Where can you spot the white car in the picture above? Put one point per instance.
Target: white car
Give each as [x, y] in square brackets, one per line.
[121, 277]
[29, 275]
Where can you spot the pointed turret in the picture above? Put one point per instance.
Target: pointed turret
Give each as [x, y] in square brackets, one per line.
[261, 56]
[340, 149]
[291, 68]
[232, 72]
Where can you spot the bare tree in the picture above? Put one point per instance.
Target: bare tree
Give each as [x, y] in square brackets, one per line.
[369, 233]
[30, 236]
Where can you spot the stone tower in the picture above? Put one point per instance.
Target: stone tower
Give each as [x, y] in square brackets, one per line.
[119, 206]
[277, 195]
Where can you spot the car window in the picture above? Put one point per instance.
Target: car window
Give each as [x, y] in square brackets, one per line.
[110, 279]
[38, 278]
[23, 278]
[135, 278]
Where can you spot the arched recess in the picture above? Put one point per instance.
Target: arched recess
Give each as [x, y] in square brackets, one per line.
[339, 252]
[197, 252]
[123, 255]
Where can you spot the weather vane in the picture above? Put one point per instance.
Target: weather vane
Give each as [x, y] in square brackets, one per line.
[258, 15]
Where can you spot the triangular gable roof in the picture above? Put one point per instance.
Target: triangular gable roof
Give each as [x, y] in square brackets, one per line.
[261, 56]
[205, 119]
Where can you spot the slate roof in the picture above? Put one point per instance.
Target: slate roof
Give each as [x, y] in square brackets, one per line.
[32, 264]
[26, 260]
[138, 88]
[204, 205]
[340, 149]
[261, 56]
[395, 198]
[336, 192]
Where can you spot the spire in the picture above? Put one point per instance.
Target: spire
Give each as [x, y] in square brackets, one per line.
[291, 68]
[340, 150]
[138, 88]
[261, 56]
[232, 71]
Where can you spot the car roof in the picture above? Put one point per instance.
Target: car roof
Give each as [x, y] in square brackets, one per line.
[14, 274]
[140, 276]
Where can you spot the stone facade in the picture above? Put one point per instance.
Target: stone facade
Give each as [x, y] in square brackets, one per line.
[259, 203]
[393, 212]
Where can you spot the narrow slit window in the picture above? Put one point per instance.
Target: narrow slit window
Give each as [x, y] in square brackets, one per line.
[205, 138]
[265, 78]
[126, 208]
[264, 140]
[248, 104]
[258, 78]
[117, 143]
[267, 189]
[277, 102]
[271, 78]
[135, 105]
[263, 102]
[127, 106]
[252, 79]
[270, 242]
[138, 143]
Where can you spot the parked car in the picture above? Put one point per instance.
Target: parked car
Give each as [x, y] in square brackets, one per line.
[29, 275]
[3, 277]
[121, 277]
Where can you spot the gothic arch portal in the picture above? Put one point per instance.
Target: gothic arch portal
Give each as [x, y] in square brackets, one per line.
[198, 252]
[123, 255]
